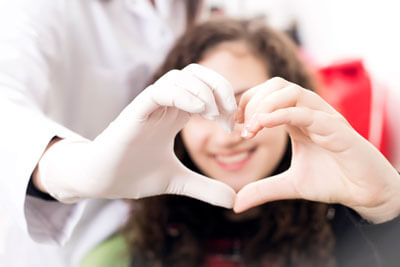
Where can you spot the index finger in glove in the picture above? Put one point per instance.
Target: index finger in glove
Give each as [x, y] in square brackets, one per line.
[156, 96]
[180, 89]
[176, 89]
[223, 91]
[188, 82]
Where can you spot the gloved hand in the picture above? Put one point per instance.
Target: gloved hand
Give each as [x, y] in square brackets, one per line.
[133, 157]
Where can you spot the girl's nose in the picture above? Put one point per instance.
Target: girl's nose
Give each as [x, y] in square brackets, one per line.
[229, 139]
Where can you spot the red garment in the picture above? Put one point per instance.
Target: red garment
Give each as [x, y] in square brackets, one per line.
[228, 253]
[347, 86]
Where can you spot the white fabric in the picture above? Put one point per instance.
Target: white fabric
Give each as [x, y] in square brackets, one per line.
[68, 68]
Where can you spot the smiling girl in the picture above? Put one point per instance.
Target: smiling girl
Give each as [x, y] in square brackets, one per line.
[286, 137]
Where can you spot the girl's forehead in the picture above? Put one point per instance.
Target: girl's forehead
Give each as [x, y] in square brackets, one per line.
[237, 47]
[237, 63]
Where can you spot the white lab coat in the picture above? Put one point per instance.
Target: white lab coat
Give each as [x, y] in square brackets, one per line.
[67, 68]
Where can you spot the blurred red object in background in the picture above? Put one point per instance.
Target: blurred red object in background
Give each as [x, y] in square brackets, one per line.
[348, 87]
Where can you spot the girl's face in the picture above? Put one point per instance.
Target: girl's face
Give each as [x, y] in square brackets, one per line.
[228, 157]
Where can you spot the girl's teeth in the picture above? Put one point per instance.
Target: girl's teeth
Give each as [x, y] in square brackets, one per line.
[233, 159]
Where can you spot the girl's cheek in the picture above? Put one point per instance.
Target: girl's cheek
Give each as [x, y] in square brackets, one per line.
[196, 133]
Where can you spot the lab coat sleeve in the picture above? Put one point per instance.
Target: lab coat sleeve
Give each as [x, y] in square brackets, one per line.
[31, 34]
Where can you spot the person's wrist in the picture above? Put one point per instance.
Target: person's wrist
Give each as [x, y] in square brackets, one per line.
[33, 191]
[388, 206]
[380, 214]
[36, 181]
[36, 175]
[58, 171]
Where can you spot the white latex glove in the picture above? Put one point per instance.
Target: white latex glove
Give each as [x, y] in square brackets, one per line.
[133, 157]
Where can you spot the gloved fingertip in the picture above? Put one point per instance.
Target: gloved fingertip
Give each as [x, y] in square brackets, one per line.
[230, 107]
[211, 116]
[227, 123]
[227, 204]
[198, 107]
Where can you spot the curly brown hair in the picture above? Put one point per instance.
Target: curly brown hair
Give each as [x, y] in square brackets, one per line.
[173, 230]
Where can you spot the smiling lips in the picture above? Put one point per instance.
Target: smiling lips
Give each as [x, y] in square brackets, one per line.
[235, 161]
